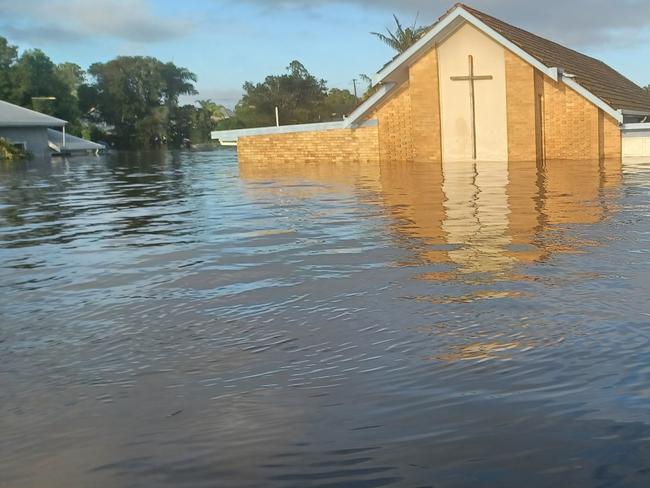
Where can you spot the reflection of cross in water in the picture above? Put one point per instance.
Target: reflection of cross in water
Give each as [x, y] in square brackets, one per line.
[471, 78]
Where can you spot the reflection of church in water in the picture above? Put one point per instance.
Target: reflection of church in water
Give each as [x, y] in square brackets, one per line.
[479, 216]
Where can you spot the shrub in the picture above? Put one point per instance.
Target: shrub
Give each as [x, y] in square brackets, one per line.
[9, 152]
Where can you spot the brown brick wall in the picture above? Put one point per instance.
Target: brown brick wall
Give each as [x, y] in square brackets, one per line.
[571, 128]
[546, 120]
[395, 128]
[331, 146]
[611, 137]
[521, 110]
[425, 108]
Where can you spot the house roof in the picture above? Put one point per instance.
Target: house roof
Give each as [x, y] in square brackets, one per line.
[603, 81]
[593, 79]
[14, 116]
[72, 143]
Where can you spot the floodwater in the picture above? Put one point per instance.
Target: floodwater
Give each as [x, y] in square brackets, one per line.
[169, 319]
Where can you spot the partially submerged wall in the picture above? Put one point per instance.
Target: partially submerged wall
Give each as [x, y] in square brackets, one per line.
[544, 119]
[328, 146]
[34, 139]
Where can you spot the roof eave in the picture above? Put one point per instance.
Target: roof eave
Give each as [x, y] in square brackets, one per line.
[625, 111]
[366, 107]
[598, 102]
[18, 125]
[453, 17]
[459, 14]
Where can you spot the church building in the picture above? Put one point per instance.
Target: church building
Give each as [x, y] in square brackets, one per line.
[473, 88]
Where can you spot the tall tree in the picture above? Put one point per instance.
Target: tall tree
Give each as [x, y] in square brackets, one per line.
[37, 85]
[72, 76]
[401, 38]
[297, 94]
[137, 95]
[207, 116]
[8, 56]
[177, 81]
[337, 104]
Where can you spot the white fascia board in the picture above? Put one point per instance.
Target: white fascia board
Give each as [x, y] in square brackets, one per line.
[366, 106]
[415, 48]
[574, 85]
[635, 112]
[631, 127]
[459, 12]
[234, 135]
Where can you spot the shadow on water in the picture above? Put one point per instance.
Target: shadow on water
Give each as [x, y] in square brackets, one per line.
[173, 319]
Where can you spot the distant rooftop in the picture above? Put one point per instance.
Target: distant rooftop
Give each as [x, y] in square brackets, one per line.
[14, 116]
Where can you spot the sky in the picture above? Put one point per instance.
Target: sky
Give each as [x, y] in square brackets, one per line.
[227, 43]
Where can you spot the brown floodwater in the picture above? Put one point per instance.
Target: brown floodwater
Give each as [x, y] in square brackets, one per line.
[172, 319]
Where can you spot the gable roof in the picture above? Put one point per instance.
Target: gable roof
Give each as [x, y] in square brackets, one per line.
[597, 77]
[593, 79]
[14, 116]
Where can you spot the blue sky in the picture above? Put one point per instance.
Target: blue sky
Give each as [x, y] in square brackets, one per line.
[229, 42]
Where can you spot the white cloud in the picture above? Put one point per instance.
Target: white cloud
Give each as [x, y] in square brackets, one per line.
[575, 22]
[70, 20]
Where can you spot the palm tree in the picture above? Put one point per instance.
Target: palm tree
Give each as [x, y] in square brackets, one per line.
[401, 39]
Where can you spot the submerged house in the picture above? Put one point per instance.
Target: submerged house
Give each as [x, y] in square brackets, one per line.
[473, 88]
[27, 128]
[40, 134]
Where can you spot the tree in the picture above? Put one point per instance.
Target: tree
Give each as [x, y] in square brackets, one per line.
[401, 39]
[36, 84]
[207, 116]
[337, 104]
[137, 95]
[371, 87]
[8, 55]
[72, 76]
[177, 81]
[297, 94]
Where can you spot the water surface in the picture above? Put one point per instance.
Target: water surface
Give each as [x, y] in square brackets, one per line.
[169, 319]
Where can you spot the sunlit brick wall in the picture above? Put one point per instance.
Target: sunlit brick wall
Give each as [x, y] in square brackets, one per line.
[330, 146]
[571, 129]
[425, 108]
[521, 100]
[395, 128]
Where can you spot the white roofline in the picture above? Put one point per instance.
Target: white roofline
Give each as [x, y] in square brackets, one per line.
[235, 134]
[16, 125]
[453, 16]
[49, 122]
[460, 13]
[366, 106]
[632, 127]
[574, 85]
[635, 112]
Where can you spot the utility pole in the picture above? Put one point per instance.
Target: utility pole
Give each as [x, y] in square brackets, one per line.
[354, 82]
[277, 117]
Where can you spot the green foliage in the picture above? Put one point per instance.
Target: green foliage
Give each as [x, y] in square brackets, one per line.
[133, 101]
[300, 97]
[297, 94]
[9, 152]
[37, 84]
[371, 88]
[8, 55]
[402, 38]
[137, 95]
[337, 104]
[72, 76]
